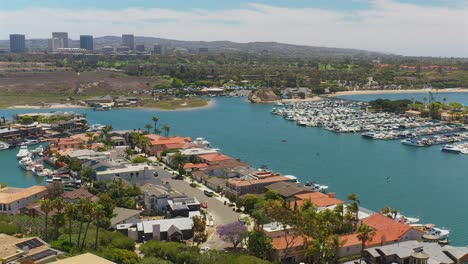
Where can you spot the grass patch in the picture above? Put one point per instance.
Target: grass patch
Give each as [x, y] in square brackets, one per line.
[175, 104]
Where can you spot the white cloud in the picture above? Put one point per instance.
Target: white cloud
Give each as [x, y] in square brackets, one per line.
[388, 25]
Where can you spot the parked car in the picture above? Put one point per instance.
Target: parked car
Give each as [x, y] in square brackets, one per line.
[193, 185]
[208, 193]
[179, 177]
[242, 221]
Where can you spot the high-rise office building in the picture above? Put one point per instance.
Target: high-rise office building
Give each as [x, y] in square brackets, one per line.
[62, 35]
[129, 41]
[140, 48]
[159, 49]
[86, 42]
[17, 43]
[55, 44]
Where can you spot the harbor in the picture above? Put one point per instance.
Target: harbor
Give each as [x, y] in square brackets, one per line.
[361, 161]
[347, 116]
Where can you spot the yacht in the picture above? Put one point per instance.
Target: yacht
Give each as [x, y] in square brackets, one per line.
[23, 152]
[4, 145]
[29, 142]
[413, 142]
[26, 163]
[95, 128]
[278, 103]
[38, 150]
[451, 149]
[41, 171]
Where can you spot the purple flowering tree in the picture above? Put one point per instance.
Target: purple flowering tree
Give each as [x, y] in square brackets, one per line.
[233, 232]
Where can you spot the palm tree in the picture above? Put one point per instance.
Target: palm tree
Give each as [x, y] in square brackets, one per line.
[106, 130]
[88, 215]
[353, 198]
[166, 128]
[99, 213]
[424, 100]
[58, 204]
[83, 207]
[148, 127]
[179, 160]
[70, 212]
[155, 120]
[365, 234]
[46, 207]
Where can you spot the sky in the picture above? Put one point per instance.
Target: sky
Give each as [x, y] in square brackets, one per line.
[407, 27]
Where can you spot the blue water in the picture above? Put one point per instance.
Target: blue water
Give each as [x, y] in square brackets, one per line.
[425, 182]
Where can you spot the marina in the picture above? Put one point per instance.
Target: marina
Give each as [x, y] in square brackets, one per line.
[343, 116]
[374, 169]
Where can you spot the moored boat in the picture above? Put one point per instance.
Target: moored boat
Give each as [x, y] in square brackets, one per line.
[23, 152]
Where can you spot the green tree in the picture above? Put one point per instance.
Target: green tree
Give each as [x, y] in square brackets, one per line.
[99, 213]
[70, 213]
[259, 244]
[58, 204]
[179, 159]
[166, 128]
[155, 120]
[365, 234]
[46, 207]
[84, 206]
[199, 229]
[148, 127]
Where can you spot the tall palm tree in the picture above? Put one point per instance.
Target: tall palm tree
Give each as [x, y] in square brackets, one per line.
[99, 214]
[148, 127]
[179, 160]
[155, 120]
[424, 100]
[365, 234]
[88, 215]
[46, 207]
[83, 207]
[166, 128]
[59, 205]
[70, 213]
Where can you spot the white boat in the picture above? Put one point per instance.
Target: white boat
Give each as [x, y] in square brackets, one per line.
[4, 145]
[278, 103]
[29, 142]
[38, 150]
[26, 163]
[23, 152]
[412, 142]
[41, 171]
[451, 149]
[95, 128]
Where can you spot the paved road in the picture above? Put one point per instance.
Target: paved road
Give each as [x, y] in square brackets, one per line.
[221, 214]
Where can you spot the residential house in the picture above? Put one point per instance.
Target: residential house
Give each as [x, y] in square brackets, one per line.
[387, 231]
[409, 252]
[94, 101]
[288, 247]
[156, 197]
[125, 216]
[130, 173]
[413, 113]
[182, 206]
[159, 143]
[87, 258]
[175, 229]
[320, 200]
[252, 184]
[78, 194]
[14, 199]
[89, 154]
[287, 189]
[32, 249]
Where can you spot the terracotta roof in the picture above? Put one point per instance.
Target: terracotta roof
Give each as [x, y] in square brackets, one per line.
[214, 157]
[9, 195]
[195, 166]
[240, 182]
[386, 230]
[318, 199]
[159, 140]
[226, 164]
[279, 243]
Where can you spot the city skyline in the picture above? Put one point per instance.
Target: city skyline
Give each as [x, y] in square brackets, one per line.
[414, 28]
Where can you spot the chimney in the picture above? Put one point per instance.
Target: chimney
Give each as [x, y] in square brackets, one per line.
[332, 195]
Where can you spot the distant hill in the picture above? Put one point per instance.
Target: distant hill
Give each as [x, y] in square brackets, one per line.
[269, 48]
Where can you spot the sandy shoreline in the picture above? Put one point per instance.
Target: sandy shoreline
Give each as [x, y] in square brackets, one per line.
[210, 103]
[448, 90]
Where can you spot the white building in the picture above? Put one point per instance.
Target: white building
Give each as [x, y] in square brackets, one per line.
[130, 173]
[13, 199]
[55, 44]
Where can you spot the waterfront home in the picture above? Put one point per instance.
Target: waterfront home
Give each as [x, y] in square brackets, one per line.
[125, 101]
[175, 229]
[124, 216]
[387, 231]
[413, 113]
[416, 252]
[14, 199]
[320, 200]
[288, 189]
[194, 167]
[130, 173]
[94, 101]
[87, 258]
[214, 158]
[88, 155]
[159, 143]
[198, 151]
[255, 184]
[18, 132]
[231, 168]
[26, 250]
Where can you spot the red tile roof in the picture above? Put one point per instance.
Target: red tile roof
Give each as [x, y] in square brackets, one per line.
[159, 140]
[318, 199]
[214, 157]
[195, 166]
[279, 243]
